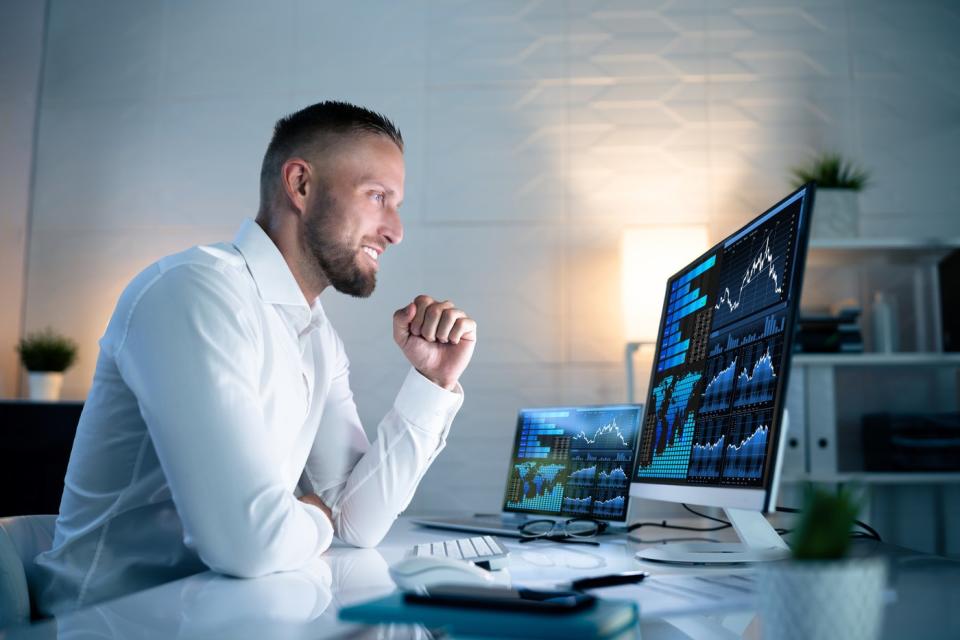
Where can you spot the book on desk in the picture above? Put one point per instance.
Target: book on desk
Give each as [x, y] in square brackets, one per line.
[604, 619]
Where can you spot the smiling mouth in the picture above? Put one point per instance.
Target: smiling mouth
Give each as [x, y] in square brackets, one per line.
[372, 253]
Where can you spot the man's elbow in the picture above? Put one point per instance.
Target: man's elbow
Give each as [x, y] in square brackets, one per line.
[365, 537]
[254, 557]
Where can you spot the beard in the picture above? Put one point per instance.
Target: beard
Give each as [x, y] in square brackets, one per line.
[335, 260]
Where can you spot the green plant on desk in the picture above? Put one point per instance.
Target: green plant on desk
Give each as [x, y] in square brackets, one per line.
[823, 532]
[822, 592]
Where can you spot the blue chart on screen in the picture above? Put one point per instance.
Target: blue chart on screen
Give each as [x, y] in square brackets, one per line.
[746, 450]
[757, 379]
[745, 332]
[754, 272]
[540, 486]
[668, 432]
[709, 445]
[574, 461]
[720, 376]
[686, 301]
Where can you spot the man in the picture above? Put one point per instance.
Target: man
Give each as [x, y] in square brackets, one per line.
[220, 431]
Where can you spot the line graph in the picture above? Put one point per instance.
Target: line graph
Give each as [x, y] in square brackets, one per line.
[747, 448]
[612, 507]
[706, 455]
[757, 379]
[752, 275]
[608, 436]
[763, 264]
[720, 374]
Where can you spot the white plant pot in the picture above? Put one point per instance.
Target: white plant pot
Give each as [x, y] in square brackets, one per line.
[820, 600]
[836, 214]
[45, 385]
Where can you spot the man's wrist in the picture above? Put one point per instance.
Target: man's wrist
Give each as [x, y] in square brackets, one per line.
[449, 385]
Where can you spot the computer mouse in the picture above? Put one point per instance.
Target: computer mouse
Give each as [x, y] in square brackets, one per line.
[415, 572]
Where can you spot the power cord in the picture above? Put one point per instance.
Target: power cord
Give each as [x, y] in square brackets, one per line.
[868, 533]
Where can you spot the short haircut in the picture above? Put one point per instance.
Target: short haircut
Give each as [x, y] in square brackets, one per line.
[314, 128]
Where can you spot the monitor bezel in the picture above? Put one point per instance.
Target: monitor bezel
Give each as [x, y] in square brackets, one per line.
[557, 516]
[762, 497]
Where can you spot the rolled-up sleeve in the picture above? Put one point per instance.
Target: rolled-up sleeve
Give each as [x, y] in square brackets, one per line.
[192, 356]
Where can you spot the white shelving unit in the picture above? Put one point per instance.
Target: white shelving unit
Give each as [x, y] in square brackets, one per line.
[821, 447]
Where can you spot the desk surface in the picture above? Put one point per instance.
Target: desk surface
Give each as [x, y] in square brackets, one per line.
[304, 604]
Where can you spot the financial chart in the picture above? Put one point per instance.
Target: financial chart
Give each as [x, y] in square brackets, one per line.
[575, 461]
[719, 360]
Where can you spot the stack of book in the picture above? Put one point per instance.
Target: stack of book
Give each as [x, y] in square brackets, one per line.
[830, 333]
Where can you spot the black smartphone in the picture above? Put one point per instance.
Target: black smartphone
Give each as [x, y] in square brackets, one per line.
[502, 599]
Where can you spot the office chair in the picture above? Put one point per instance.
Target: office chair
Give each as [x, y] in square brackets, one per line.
[21, 539]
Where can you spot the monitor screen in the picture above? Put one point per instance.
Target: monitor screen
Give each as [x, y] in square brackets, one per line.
[723, 351]
[573, 461]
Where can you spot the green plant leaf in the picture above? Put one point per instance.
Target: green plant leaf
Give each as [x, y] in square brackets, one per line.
[831, 171]
[47, 350]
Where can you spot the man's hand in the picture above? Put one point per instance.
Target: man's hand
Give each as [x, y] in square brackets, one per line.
[314, 499]
[437, 338]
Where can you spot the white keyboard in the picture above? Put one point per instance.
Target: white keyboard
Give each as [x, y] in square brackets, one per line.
[481, 549]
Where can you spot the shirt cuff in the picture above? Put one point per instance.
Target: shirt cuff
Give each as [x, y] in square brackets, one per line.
[425, 404]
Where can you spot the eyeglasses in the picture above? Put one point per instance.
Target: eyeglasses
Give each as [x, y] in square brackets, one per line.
[574, 530]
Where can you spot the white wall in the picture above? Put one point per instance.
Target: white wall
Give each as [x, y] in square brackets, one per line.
[21, 53]
[535, 132]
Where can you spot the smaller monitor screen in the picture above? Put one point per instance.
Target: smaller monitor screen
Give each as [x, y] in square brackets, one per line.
[573, 462]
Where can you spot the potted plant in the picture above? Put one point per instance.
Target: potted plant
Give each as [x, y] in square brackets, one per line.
[837, 204]
[46, 355]
[822, 592]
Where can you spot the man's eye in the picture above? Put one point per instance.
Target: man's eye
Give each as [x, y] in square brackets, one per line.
[379, 197]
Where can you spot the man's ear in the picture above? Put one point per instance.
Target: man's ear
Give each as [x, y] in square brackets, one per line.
[295, 177]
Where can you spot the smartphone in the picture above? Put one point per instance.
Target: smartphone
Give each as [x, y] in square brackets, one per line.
[502, 599]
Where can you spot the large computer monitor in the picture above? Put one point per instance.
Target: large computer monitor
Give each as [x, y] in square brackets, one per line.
[713, 428]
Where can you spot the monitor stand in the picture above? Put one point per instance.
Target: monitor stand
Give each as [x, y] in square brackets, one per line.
[761, 543]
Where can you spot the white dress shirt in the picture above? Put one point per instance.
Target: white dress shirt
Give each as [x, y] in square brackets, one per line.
[220, 395]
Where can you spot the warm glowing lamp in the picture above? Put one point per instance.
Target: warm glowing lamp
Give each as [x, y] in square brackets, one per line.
[650, 255]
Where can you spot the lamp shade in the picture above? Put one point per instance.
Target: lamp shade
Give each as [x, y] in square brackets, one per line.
[650, 255]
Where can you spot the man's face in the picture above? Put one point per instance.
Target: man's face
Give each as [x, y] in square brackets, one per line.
[352, 215]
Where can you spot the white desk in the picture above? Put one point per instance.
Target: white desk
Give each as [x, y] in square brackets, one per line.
[304, 604]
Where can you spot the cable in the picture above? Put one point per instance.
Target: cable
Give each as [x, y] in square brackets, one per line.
[663, 524]
[703, 515]
[869, 532]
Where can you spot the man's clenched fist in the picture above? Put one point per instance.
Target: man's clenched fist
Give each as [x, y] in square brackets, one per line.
[437, 338]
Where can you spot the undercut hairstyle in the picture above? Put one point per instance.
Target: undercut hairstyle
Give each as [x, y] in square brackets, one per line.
[313, 130]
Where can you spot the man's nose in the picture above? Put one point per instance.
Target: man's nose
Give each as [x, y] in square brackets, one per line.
[392, 228]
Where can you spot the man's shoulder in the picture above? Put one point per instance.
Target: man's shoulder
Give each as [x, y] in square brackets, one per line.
[184, 279]
[218, 263]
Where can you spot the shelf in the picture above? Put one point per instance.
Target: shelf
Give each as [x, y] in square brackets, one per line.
[877, 359]
[879, 477]
[888, 250]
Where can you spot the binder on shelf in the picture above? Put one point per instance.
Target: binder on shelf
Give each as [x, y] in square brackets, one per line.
[607, 618]
[795, 462]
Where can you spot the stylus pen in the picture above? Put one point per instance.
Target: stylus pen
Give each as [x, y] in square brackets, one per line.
[611, 580]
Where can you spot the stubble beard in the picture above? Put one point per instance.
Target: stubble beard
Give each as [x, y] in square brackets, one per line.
[334, 260]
